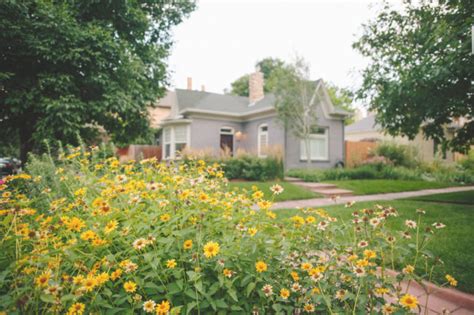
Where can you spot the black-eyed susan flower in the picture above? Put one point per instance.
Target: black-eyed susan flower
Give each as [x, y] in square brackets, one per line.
[171, 263]
[130, 286]
[408, 269]
[409, 301]
[452, 282]
[43, 279]
[188, 244]
[163, 308]
[76, 309]
[211, 249]
[284, 293]
[261, 266]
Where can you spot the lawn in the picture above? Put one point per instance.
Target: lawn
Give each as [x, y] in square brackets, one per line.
[462, 197]
[380, 186]
[453, 243]
[291, 192]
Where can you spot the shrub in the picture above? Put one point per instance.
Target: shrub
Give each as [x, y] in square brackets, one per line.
[399, 155]
[250, 167]
[145, 237]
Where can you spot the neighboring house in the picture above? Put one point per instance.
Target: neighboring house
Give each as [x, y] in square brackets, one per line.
[208, 121]
[366, 129]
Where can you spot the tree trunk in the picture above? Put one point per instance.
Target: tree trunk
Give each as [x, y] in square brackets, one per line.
[26, 141]
[308, 151]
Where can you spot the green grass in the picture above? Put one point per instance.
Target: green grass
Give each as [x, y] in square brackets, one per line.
[461, 197]
[291, 192]
[380, 186]
[453, 243]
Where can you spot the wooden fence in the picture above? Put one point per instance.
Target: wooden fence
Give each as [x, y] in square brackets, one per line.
[357, 152]
[138, 152]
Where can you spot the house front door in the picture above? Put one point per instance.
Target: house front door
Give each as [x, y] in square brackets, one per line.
[227, 143]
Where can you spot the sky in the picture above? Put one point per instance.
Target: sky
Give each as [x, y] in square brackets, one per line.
[222, 40]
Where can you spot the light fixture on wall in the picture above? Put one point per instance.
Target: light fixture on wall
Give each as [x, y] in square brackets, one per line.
[238, 135]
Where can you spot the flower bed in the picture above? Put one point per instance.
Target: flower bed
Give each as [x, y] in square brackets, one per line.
[90, 235]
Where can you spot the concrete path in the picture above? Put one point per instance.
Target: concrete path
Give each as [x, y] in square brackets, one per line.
[321, 202]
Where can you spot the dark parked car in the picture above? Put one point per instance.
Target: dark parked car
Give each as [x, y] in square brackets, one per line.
[9, 166]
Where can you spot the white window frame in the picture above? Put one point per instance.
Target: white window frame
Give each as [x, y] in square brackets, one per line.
[259, 144]
[172, 141]
[324, 137]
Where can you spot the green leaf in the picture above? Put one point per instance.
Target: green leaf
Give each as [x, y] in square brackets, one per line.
[233, 294]
[47, 298]
[250, 288]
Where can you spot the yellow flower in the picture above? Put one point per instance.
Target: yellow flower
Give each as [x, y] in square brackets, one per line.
[310, 219]
[171, 263]
[257, 195]
[130, 286]
[75, 224]
[306, 266]
[408, 269]
[228, 273]
[89, 283]
[211, 249]
[271, 214]
[163, 308]
[452, 282]
[76, 309]
[78, 279]
[260, 266]
[188, 244]
[295, 276]
[88, 235]
[110, 226]
[264, 204]
[369, 254]
[409, 301]
[309, 308]
[43, 279]
[165, 217]
[285, 293]
[116, 274]
[252, 231]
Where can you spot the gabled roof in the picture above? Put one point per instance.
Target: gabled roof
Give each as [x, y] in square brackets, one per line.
[366, 124]
[191, 101]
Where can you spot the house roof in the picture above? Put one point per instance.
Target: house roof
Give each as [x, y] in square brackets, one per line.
[366, 124]
[186, 101]
[169, 100]
[220, 102]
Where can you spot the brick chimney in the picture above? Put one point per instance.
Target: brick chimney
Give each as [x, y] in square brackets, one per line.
[190, 83]
[256, 86]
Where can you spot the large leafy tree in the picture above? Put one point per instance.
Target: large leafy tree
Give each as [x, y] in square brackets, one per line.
[71, 68]
[267, 66]
[342, 98]
[421, 70]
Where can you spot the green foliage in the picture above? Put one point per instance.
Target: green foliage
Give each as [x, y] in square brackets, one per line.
[468, 162]
[398, 154]
[413, 80]
[69, 67]
[250, 167]
[290, 191]
[123, 234]
[267, 66]
[342, 98]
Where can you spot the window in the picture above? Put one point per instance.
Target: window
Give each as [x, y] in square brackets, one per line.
[318, 145]
[262, 140]
[227, 140]
[175, 140]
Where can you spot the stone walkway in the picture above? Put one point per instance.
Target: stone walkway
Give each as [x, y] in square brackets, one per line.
[321, 202]
[439, 300]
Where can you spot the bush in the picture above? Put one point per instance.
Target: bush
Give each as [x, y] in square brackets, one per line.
[253, 168]
[368, 171]
[145, 237]
[399, 155]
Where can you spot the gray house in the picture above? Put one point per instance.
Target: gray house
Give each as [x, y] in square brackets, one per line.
[201, 120]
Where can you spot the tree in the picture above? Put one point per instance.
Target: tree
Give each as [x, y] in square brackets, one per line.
[70, 68]
[296, 100]
[342, 98]
[421, 70]
[267, 66]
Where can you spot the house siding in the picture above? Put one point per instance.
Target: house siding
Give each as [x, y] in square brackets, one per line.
[276, 134]
[335, 150]
[205, 134]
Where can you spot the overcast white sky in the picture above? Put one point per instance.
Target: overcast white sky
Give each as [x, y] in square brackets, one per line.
[222, 40]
